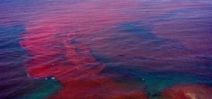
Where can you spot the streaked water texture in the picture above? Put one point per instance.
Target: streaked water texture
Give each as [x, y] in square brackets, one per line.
[106, 49]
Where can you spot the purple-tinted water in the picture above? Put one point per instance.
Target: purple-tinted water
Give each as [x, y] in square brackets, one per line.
[97, 49]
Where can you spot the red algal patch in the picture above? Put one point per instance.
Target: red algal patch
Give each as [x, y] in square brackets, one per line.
[188, 91]
[49, 39]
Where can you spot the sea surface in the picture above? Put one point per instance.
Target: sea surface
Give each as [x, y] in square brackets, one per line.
[105, 49]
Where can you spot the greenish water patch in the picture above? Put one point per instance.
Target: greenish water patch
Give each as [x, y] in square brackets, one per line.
[42, 89]
[154, 82]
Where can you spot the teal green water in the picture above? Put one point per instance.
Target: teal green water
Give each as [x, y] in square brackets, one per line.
[154, 82]
[42, 89]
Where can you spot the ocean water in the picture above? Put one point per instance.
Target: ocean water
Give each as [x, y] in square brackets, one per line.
[105, 49]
